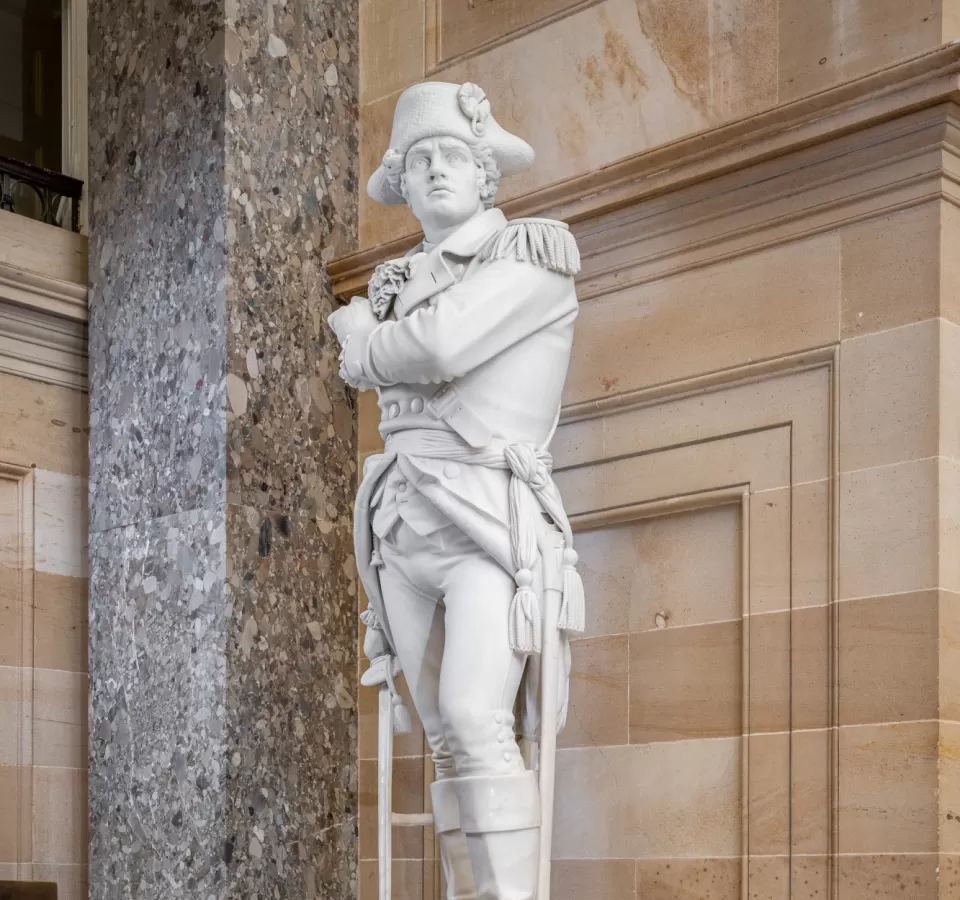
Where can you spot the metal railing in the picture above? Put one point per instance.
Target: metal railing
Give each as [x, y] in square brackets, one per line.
[40, 194]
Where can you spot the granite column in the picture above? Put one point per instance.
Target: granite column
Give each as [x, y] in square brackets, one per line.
[223, 590]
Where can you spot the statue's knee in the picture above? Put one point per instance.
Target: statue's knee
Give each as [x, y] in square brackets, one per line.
[465, 724]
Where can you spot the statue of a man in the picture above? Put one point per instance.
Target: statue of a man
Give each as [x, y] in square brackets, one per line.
[467, 341]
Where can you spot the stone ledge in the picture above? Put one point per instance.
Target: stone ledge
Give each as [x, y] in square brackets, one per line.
[43, 267]
[59, 298]
[920, 83]
[37, 344]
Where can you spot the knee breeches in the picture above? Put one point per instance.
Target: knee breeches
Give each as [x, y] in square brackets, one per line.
[447, 603]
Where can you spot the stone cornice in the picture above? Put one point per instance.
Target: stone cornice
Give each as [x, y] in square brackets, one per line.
[35, 344]
[41, 292]
[43, 302]
[899, 121]
[43, 267]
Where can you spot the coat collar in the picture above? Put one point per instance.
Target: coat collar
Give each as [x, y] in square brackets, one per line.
[433, 273]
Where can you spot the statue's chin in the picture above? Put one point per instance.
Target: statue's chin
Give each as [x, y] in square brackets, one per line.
[442, 211]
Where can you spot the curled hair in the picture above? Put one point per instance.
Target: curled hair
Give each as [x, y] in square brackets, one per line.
[488, 173]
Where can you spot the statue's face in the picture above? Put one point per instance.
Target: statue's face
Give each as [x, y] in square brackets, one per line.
[442, 182]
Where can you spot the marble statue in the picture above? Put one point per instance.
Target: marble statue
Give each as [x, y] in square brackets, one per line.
[467, 340]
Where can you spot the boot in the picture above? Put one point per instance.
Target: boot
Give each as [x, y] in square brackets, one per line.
[500, 816]
[454, 858]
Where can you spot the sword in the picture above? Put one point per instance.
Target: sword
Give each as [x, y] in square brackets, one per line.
[392, 717]
[385, 791]
[383, 670]
[551, 552]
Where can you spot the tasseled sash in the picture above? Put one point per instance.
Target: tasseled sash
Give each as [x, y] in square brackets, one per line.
[531, 481]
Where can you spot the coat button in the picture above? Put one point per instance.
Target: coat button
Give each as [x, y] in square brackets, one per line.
[416, 405]
[451, 470]
[394, 410]
[401, 487]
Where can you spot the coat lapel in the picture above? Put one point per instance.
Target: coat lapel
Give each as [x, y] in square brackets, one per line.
[434, 273]
[430, 277]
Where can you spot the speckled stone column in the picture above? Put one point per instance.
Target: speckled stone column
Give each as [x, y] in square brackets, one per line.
[223, 591]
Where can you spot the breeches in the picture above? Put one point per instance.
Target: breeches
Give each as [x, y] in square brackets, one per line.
[448, 603]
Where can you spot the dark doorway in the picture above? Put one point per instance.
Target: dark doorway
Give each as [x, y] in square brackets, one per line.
[31, 64]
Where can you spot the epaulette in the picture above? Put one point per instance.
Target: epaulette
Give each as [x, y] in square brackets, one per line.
[543, 242]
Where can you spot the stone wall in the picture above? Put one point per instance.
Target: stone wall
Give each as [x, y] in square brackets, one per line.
[757, 443]
[43, 634]
[589, 82]
[222, 448]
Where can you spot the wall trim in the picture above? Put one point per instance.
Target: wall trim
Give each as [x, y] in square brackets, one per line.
[591, 456]
[43, 347]
[748, 152]
[43, 266]
[20, 806]
[708, 383]
[43, 302]
[74, 93]
[437, 63]
[41, 292]
[666, 506]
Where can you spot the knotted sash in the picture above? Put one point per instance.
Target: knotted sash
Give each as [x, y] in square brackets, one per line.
[531, 486]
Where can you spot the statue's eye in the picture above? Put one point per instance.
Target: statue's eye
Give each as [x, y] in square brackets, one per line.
[457, 156]
[418, 164]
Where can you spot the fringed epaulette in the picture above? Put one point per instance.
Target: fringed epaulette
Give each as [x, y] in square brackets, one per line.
[543, 242]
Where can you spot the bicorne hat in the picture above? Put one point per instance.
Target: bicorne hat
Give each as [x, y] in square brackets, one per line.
[436, 109]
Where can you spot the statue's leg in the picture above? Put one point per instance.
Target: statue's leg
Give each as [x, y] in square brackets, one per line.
[416, 620]
[479, 680]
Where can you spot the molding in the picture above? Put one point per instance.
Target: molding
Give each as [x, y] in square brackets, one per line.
[888, 93]
[732, 495]
[74, 93]
[42, 347]
[43, 293]
[431, 43]
[43, 266]
[642, 507]
[882, 169]
[699, 384]
[20, 620]
[436, 63]
[895, 113]
[833, 628]
[651, 509]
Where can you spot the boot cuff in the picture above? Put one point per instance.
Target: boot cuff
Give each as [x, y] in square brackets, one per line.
[446, 809]
[498, 802]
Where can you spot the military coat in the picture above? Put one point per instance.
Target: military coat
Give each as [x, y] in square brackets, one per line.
[476, 341]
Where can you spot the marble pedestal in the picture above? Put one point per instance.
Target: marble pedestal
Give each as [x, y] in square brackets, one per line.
[222, 447]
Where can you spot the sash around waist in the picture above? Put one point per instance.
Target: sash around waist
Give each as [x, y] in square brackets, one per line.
[433, 444]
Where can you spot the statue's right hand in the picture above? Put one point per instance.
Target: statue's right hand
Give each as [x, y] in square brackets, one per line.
[377, 673]
[375, 644]
[357, 316]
